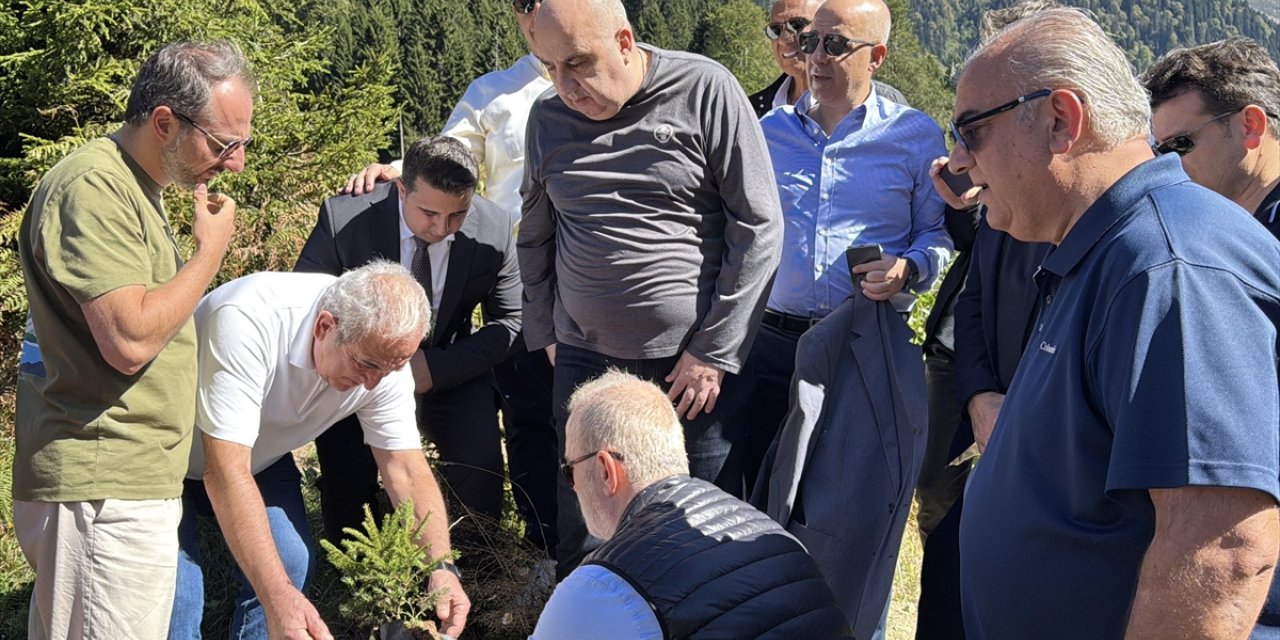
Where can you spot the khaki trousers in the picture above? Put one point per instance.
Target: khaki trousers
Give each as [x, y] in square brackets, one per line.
[104, 568]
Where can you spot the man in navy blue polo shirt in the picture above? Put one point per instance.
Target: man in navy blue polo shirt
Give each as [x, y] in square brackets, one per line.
[1130, 487]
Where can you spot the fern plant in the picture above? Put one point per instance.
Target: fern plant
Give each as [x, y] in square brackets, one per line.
[386, 571]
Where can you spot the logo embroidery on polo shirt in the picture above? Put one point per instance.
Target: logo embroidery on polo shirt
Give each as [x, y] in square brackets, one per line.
[663, 133]
[1048, 348]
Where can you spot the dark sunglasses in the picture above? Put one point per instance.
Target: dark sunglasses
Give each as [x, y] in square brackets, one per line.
[1183, 144]
[775, 30]
[524, 6]
[834, 44]
[566, 466]
[227, 148]
[957, 125]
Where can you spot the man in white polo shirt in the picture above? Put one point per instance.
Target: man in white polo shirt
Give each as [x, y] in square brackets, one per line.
[281, 357]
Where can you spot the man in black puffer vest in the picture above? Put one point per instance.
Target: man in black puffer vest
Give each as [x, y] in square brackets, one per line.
[683, 559]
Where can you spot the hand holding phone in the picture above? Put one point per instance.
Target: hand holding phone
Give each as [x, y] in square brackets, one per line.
[956, 189]
[861, 254]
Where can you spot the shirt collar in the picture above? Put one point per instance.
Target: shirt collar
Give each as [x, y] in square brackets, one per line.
[300, 349]
[1267, 211]
[1116, 203]
[784, 89]
[867, 114]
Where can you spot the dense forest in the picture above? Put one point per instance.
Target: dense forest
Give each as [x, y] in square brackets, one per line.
[1146, 29]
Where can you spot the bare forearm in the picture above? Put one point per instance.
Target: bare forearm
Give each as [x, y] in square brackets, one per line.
[1205, 577]
[131, 326]
[242, 517]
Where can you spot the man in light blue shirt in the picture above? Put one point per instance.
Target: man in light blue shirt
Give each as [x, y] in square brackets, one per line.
[852, 169]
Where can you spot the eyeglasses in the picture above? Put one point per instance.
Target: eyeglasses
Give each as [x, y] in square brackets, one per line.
[834, 44]
[957, 125]
[793, 26]
[364, 365]
[566, 465]
[524, 6]
[1183, 144]
[228, 148]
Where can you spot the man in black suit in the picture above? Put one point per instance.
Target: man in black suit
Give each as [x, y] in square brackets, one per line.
[787, 18]
[461, 248]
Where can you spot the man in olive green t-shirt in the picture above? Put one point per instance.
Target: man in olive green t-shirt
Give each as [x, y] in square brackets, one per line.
[104, 427]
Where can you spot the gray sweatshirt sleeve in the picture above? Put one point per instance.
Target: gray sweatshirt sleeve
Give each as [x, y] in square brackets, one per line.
[753, 227]
[536, 249]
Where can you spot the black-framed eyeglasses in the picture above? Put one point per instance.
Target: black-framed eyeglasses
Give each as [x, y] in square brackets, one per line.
[957, 126]
[1183, 144]
[566, 465]
[793, 26]
[524, 6]
[834, 44]
[228, 148]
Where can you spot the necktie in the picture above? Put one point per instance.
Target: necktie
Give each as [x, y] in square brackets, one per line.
[422, 267]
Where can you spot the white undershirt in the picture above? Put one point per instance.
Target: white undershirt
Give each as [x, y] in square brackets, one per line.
[437, 252]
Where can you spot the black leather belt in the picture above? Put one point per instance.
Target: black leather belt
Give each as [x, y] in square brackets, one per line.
[788, 322]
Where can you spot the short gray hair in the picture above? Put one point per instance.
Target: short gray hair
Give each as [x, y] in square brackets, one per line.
[181, 76]
[1063, 48]
[1228, 74]
[620, 412]
[380, 300]
[993, 20]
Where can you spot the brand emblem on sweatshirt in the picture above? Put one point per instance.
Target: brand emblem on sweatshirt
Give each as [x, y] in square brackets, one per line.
[663, 133]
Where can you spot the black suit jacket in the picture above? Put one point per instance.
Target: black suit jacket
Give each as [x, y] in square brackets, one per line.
[762, 101]
[352, 230]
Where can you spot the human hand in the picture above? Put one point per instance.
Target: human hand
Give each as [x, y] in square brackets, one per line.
[213, 221]
[292, 617]
[368, 177]
[453, 606]
[883, 277]
[695, 384]
[955, 200]
[984, 408]
[551, 353]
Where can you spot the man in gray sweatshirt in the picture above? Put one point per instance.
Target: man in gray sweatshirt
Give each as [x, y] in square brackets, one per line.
[651, 227]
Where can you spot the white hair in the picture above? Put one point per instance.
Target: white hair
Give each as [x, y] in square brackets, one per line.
[1063, 48]
[622, 413]
[380, 300]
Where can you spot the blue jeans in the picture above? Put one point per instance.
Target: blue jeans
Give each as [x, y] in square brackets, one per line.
[706, 439]
[281, 487]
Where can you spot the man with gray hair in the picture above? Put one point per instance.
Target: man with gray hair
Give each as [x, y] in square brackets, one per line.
[1216, 106]
[648, 238]
[1130, 486]
[683, 559]
[105, 409]
[282, 357]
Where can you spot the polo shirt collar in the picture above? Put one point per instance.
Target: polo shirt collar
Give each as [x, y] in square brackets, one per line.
[300, 349]
[1114, 205]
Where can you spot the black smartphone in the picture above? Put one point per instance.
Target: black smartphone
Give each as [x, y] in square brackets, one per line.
[861, 254]
[959, 183]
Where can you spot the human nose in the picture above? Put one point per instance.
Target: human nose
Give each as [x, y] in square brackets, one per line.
[235, 162]
[961, 159]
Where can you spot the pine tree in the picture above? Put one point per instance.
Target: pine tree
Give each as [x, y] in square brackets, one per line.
[731, 35]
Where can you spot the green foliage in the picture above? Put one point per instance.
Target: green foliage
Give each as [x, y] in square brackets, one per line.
[912, 70]
[1145, 29]
[731, 35]
[386, 570]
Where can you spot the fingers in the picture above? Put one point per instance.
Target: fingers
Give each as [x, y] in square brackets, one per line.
[679, 383]
[350, 186]
[201, 195]
[370, 179]
[953, 199]
[455, 620]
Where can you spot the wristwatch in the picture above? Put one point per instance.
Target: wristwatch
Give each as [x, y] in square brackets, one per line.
[445, 565]
[913, 274]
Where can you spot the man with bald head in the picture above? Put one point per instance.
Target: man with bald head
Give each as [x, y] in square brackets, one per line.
[647, 239]
[852, 169]
[787, 18]
[1129, 488]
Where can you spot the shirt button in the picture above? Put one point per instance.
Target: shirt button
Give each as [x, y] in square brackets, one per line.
[1048, 299]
